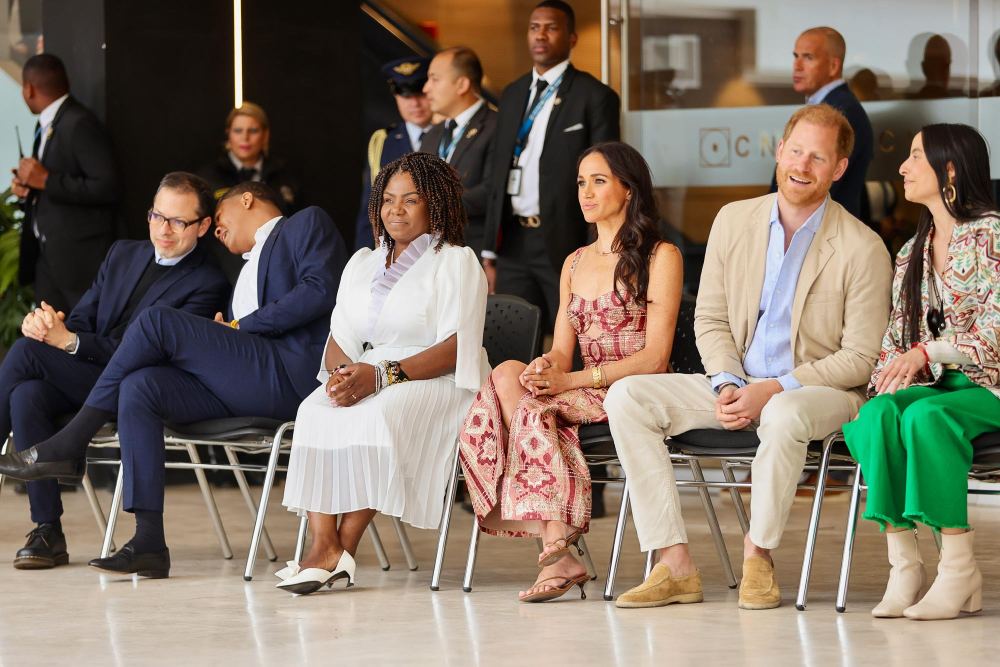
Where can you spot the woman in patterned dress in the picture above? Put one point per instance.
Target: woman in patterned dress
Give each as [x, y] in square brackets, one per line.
[519, 447]
[936, 385]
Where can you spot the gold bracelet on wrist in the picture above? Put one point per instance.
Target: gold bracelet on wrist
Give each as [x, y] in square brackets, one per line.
[604, 379]
[234, 324]
[595, 375]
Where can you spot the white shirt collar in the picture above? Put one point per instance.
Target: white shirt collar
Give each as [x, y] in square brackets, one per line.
[261, 234]
[415, 133]
[171, 261]
[258, 166]
[49, 113]
[821, 94]
[462, 119]
[551, 75]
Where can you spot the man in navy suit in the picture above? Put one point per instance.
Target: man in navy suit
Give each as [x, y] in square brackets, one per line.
[406, 78]
[818, 73]
[172, 366]
[49, 372]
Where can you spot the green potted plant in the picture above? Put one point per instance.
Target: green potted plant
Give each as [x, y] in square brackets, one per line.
[15, 299]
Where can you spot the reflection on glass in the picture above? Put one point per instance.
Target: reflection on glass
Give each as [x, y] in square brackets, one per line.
[22, 27]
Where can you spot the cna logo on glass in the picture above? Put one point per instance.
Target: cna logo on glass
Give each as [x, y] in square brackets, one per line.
[718, 148]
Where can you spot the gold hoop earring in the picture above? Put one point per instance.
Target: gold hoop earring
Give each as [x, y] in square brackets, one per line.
[949, 193]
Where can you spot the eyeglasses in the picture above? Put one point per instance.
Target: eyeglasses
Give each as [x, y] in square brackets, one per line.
[176, 224]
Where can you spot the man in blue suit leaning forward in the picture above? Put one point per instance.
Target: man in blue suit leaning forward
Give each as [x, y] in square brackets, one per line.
[48, 373]
[176, 367]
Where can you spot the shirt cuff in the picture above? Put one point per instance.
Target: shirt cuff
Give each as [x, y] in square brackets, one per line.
[941, 352]
[722, 378]
[488, 254]
[788, 382]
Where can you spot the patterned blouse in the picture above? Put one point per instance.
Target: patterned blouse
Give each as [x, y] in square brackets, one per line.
[971, 304]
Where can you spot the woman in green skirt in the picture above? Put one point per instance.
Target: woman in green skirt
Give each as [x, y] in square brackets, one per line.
[936, 385]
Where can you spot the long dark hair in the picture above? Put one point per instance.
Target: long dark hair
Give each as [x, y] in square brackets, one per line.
[966, 150]
[639, 236]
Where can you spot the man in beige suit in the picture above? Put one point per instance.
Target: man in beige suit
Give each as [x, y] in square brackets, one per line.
[793, 302]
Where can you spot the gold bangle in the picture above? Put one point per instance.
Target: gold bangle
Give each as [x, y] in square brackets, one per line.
[604, 379]
[595, 375]
[234, 324]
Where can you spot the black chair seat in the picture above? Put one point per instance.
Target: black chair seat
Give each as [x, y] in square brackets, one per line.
[225, 429]
[715, 442]
[986, 449]
[596, 441]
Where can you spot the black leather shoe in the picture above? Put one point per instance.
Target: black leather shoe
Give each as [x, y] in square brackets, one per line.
[155, 565]
[45, 548]
[26, 466]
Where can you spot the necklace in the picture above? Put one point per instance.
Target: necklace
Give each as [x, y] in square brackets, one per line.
[601, 252]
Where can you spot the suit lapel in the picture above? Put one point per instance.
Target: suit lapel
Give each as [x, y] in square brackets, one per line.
[474, 127]
[755, 262]
[125, 284]
[559, 102]
[50, 142]
[819, 253]
[265, 258]
[169, 279]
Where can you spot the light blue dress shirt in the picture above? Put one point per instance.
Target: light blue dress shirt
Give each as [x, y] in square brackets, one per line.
[820, 95]
[770, 351]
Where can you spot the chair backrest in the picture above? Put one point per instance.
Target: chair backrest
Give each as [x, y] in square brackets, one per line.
[513, 329]
[684, 358]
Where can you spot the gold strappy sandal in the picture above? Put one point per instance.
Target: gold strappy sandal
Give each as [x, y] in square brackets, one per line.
[568, 541]
[558, 591]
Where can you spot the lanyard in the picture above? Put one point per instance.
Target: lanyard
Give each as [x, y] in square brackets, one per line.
[522, 133]
[445, 153]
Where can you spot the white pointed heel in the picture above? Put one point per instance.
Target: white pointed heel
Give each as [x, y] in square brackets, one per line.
[290, 570]
[312, 579]
[906, 578]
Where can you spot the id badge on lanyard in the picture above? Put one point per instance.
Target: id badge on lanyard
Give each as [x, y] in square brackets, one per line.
[514, 181]
[515, 173]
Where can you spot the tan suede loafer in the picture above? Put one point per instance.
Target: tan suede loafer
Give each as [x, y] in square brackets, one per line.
[759, 588]
[661, 589]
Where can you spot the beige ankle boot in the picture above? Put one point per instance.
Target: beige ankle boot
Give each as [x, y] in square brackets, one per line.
[958, 586]
[906, 578]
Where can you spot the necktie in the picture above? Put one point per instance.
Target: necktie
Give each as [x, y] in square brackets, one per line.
[38, 141]
[246, 174]
[540, 87]
[420, 139]
[449, 132]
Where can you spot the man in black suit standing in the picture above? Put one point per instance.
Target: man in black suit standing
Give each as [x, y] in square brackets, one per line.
[547, 118]
[818, 73]
[69, 186]
[465, 137]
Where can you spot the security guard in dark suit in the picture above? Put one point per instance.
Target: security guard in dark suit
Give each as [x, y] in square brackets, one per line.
[406, 78]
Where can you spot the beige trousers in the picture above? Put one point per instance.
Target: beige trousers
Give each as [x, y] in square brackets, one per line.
[643, 409]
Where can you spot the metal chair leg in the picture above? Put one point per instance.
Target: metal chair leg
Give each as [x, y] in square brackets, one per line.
[404, 543]
[470, 561]
[265, 493]
[588, 562]
[713, 523]
[811, 534]
[3, 450]
[734, 493]
[616, 546]
[241, 482]
[383, 560]
[852, 528]
[210, 505]
[116, 503]
[449, 505]
[650, 556]
[95, 507]
[300, 538]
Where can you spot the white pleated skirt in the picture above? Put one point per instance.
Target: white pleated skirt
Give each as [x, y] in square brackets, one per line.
[393, 452]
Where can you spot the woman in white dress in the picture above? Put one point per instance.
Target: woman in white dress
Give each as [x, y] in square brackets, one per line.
[401, 368]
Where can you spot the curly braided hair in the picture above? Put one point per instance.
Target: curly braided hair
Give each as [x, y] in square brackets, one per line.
[438, 184]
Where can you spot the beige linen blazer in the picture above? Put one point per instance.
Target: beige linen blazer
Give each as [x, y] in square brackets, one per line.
[841, 304]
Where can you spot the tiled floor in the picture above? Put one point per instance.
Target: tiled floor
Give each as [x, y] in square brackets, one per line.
[206, 614]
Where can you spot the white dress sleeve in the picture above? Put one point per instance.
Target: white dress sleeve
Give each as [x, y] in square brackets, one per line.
[341, 330]
[461, 303]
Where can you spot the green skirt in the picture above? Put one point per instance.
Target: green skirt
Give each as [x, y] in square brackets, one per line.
[915, 450]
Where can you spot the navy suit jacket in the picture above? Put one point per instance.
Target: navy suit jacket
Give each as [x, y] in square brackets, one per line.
[397, 144]
[297, 280]
[195, 285]
[848, 190]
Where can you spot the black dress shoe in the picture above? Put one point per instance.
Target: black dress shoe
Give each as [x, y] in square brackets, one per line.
[26, 466]
[155, 565]
[45, 548]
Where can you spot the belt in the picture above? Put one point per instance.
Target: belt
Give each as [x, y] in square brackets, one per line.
[529, 222]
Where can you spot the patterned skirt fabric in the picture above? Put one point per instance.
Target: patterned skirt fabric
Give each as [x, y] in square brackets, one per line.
[535, 473]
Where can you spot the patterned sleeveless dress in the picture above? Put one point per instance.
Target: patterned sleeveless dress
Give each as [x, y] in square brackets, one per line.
[537, 471]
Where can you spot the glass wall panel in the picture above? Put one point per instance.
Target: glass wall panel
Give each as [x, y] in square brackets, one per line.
[20, 38]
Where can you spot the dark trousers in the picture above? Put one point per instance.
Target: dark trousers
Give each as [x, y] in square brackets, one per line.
[39, 384]
[525, 270]
[175, 367]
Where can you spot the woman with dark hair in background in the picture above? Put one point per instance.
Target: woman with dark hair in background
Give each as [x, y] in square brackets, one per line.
[520, 447]
[936, 385]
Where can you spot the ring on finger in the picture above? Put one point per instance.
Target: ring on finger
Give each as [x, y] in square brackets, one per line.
[354, 396]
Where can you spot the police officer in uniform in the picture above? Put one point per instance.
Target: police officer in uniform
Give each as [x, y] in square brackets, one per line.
[406, 78]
